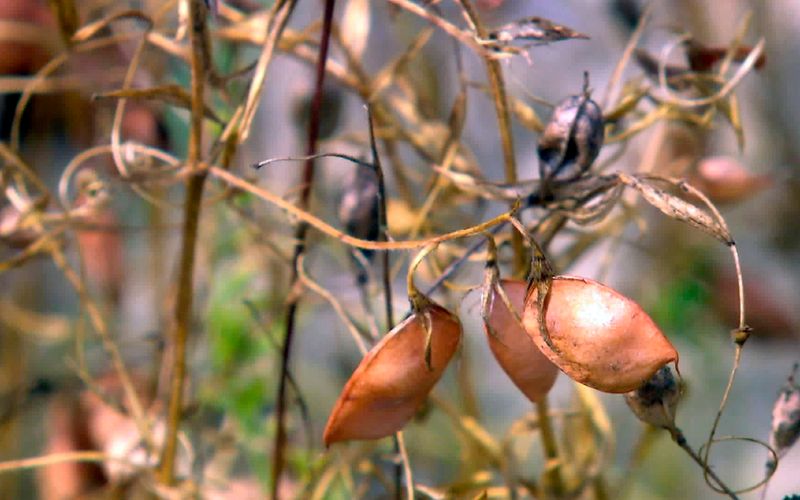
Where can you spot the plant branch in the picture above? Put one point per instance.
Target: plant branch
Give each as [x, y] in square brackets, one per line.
[299, 248]
[191, 219]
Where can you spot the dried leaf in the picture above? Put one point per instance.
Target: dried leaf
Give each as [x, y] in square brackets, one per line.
[676, 208]
[534, 29]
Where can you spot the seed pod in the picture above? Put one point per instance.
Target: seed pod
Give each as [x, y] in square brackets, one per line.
[523, 362]
[655, 401]
[785, 418]
[726, 180]
[358, 209]
[596, 336]
[572, 138]
[392, 380]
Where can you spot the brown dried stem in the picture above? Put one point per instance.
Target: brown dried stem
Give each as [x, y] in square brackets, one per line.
[192, 206]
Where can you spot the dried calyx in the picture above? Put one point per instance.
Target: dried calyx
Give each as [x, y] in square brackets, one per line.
[394, 378]
[572, 138]
[656, 400]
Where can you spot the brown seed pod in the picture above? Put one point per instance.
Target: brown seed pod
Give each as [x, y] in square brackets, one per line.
[523, 362]
[392, 380]
[726, 180]
[597, 336]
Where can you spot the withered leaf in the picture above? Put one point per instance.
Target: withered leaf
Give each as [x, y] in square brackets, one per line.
[676, 208]
[534, 29]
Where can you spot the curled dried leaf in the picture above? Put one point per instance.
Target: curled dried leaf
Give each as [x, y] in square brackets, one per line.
[534, 29]
[523, 362]
[392, 380]
[595, 335]
[679, 209]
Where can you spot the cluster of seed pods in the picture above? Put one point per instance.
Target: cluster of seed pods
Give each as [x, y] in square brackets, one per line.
[593, 334]
[578, 326]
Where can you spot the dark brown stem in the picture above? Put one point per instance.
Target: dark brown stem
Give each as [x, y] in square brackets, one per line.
[191, 219]
[383, 235]
[300, 238]
[680, 440]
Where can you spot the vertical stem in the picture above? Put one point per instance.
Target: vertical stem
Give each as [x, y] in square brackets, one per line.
[191, 218]
[498, 89]
[300, 238]
[554, 483]
[383, 235]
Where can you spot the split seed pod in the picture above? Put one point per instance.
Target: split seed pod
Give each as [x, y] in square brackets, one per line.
[523, 362]
[597, 336]
[572, 138]
[785, 418]
[395, 377]
[655, 401]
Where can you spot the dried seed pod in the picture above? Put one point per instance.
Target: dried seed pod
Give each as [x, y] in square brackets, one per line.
[655, 401]
[572, 138]
[523, 362]
[785, 418]
[358, 209]
[597, 336]
[392, 380]
[726, 180]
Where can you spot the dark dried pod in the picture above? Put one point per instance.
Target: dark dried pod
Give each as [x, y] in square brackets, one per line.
[785, 418]
[359, 208]
[572, 138]
[655, 401]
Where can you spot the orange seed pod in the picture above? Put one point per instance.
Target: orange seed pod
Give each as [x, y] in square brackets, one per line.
[597, 336]
[523, 362]
[392, 380]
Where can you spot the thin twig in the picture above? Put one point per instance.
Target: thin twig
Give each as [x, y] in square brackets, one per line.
[498, 89]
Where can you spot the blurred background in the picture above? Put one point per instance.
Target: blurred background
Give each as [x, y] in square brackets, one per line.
[53, 367]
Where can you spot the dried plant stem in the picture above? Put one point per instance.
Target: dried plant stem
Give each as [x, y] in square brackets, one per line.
[680, 440]
[53, 459]
[555, 483]
[191, 219]
[279, 443]
[498, 90]
[331, 231]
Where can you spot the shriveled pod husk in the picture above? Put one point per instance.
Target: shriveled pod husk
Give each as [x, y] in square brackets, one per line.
[597, 336]
[655, 401]
[523, 362]
[393, 379]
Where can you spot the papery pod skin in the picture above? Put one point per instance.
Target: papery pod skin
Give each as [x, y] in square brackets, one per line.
[523, 362]
[599, 337]
[655, 401]
[392, 380]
